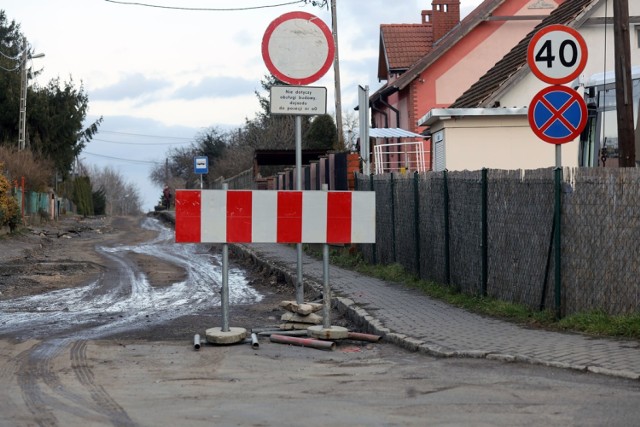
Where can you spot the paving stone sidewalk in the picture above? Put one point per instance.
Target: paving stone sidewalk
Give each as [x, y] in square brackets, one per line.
[417, 322]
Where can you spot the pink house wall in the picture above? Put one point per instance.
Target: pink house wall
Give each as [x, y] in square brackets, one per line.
[461, 66]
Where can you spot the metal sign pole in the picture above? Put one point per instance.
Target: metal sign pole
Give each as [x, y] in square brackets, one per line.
[365, 150]
[299, 282]
[326, 331]
[326, 291]
[557, 234]
[224, 292]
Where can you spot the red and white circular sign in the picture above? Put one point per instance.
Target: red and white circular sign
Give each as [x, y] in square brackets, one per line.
[298, 48]
[557, 54]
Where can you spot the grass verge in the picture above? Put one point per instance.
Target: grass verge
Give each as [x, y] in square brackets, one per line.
[594, 323]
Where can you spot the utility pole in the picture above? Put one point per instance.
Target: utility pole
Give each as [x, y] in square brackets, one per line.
[624, 86]
[23, 101]
[22, 124]
[336, 72]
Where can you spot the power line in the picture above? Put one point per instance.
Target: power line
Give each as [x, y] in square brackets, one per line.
[12, 69]
[14, 58]
[141, 144]
[145, 135]
[147, 162]
[206, 9]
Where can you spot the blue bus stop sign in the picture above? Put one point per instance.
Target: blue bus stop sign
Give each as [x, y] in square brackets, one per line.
[557, 114]
[201, 165]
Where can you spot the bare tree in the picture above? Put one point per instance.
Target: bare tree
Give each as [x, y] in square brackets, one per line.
[349, 124]
[122, 198]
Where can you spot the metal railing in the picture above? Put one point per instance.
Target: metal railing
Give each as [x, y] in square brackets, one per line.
[399, 157]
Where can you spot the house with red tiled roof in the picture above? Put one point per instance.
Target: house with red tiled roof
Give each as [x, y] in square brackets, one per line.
[488, 125]
[430, 64]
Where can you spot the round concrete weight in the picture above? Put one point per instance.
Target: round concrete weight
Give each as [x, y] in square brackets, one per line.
[331, 333]
[232, 336]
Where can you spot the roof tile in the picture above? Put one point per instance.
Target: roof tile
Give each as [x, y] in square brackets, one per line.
[405, 43]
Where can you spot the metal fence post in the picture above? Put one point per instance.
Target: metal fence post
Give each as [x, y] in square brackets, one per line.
[393, 217]
[557, 241]
[447, 264]
[485, 267]
[416, 219]
[375, 255]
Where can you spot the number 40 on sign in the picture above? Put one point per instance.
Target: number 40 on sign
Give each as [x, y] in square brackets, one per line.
[557, 54]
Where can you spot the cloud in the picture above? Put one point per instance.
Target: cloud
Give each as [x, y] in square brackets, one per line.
[216, 87]
[132, 86]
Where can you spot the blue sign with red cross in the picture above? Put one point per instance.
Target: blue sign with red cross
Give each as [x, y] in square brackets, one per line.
[557, 114]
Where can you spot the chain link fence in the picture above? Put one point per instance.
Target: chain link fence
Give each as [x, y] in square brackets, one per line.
[490, 233]
[601, 240]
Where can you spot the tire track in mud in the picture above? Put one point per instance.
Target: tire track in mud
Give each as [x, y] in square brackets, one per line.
[106, 404]
[44, 394]
[31, 371]
[8, 369]
[52, 392]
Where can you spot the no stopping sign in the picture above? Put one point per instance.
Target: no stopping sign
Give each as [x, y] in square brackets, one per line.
[557, 114]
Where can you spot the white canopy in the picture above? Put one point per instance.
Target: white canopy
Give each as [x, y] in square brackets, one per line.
[391, 133]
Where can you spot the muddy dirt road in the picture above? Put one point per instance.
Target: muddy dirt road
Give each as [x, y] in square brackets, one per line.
[96, 324]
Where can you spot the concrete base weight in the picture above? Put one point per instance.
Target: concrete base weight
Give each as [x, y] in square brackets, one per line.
[232, 336]
[331, 333]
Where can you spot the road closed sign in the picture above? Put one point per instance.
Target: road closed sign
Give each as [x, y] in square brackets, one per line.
[557, 54]
[298, 48]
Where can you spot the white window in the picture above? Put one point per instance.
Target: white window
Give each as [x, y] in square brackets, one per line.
[439, 159]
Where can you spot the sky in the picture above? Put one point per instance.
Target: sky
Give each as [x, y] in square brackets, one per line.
[159, 76]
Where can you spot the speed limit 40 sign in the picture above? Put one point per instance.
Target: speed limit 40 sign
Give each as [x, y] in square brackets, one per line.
[557, 54]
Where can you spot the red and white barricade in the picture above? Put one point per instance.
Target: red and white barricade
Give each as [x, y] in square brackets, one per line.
[262, 216]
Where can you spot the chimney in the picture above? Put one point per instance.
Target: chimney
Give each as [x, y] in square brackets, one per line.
[426, 16]
[443, 16]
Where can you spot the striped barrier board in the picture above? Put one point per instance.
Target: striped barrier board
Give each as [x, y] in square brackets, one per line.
[264, 216]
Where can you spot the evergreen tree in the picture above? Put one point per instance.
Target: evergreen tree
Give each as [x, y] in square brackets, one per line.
[322, 133]
[99, 201]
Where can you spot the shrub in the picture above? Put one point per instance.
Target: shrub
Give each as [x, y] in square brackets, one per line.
[9, 211]
[38, 173]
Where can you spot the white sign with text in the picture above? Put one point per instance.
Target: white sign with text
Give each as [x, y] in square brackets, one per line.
[298, 100]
